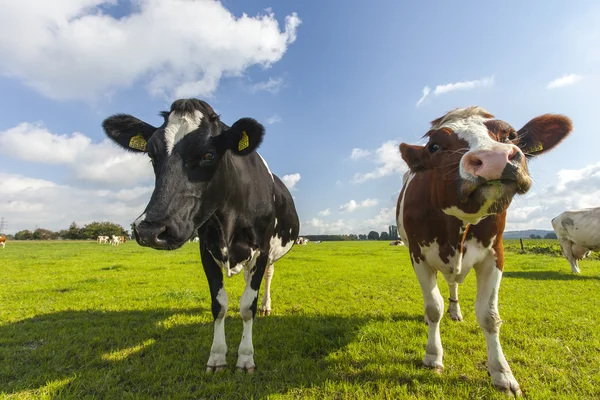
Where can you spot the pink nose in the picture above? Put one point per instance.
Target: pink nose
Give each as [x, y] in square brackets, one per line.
[489, 164]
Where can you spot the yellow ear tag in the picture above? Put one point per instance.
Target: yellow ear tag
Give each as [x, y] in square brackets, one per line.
[244, 141]
[138, 142]
[537, 148]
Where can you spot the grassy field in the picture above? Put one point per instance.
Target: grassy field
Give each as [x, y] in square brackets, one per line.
[80, 320]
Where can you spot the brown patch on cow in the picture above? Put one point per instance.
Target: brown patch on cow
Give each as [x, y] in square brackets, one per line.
[543, 133]
[500, 131]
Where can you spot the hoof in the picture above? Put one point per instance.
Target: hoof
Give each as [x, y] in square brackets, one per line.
[433, 362]
[248, 370]
[507, 384]
[265, 312]
[215, 369]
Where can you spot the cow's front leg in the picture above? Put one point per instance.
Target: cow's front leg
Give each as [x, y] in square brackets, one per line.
[486, 308]
[453, 306]
[265, 308]
[218, 351]
[248, 305]
[434, 308]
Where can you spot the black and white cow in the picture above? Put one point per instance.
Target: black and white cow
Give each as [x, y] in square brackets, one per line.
[210, 180]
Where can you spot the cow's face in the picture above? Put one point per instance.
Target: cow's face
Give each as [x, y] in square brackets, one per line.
[478, 163]
[189, 153]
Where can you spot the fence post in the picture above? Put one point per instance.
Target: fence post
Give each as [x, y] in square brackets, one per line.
[522, 248]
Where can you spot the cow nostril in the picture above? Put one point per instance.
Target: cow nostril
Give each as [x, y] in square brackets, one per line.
[514, 155]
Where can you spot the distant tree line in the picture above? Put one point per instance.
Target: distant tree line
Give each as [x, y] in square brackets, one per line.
[391, 234]
[74, 232]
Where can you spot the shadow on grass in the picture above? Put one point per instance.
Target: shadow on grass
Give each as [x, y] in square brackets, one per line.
[163, 353]
[547, 275]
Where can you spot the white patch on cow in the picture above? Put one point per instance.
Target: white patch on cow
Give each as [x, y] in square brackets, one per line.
[406, 179]
[218, 350]
[140, 219]
[468, 125]
[179, 125]
[492, 194]
[267, 165]
[278, 249]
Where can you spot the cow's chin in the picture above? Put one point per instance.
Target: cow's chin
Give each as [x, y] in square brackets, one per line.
[489, 197]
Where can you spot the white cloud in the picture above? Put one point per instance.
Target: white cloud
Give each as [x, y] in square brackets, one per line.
[352, 205]
[379, 223]
[27, 203]
[273, 119]
[389, 161]
[574, 189]
[291, 180]
[176, 48]
[426, 91]
[100, 162]
[324, 213]
[463, 85]
[359, 153]
[564, 80]
[273, 85]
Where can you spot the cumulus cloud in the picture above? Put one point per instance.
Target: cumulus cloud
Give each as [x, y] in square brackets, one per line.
[574, 189]
[28, 203]
[100, 162]
[564, 80]
[352, 205]
[379, 223]
[359, 153]
[388, 159]
[426, 91]
[461, 85]
[291, 180]
[273, 85]
[324, 213]
[176, 48]
[273, 119]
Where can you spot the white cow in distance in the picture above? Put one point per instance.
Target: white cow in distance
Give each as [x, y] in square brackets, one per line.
[103, 239]
[578, 233]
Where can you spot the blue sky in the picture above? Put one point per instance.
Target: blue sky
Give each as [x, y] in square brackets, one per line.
[337, 90]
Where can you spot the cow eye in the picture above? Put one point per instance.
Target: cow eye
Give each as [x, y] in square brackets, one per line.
[208, 157]
[433, 148]
[512, 136]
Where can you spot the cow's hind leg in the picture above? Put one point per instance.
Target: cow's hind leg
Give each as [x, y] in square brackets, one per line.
[453, 306]
[265, 308]
[218, 351]
[486, 308]
[567, 249]
[434, 306]
[248, 305]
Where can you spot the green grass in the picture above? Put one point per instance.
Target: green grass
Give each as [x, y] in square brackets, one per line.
[80, 320]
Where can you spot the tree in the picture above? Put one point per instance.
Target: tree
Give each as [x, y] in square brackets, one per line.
[550, 235]
[384, 236]
[373, 235]
[95, 229]
[44, 234]
[24, 235]
[74, 232]
[362, 237]
[393, 232]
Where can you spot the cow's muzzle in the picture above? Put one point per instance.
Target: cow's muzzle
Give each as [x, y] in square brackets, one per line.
[152, 234]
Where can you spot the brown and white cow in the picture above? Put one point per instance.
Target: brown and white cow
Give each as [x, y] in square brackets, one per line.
[2, 241]
[451, 214]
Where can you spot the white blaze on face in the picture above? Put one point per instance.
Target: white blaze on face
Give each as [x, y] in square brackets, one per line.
[180, 125]
[472, 130]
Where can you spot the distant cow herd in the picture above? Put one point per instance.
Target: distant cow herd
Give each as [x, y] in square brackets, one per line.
[113, 240]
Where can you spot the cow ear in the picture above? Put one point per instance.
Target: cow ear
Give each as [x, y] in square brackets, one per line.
[543, 133]
[244, 136]
[415, 157]
[128, 132]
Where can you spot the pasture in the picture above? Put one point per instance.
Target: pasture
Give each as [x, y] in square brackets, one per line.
[81, 320]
